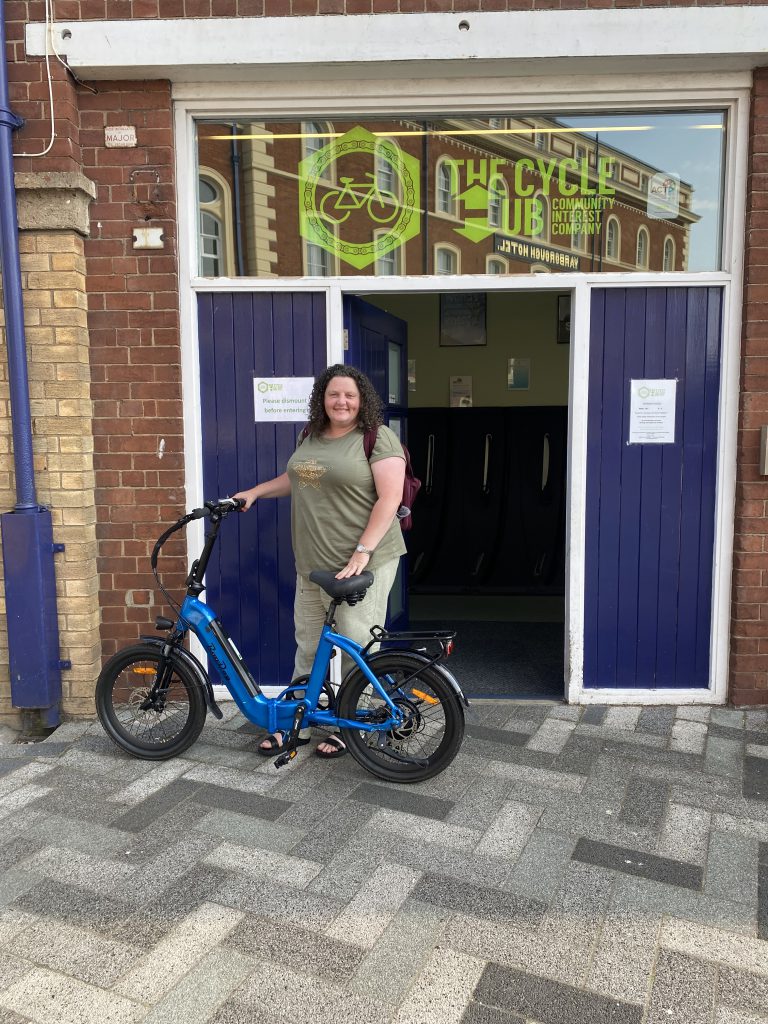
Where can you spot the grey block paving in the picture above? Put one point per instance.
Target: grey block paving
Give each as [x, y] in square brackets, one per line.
[572, 866]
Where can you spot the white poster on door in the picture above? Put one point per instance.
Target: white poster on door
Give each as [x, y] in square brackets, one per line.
[281, 399]
[652, 411]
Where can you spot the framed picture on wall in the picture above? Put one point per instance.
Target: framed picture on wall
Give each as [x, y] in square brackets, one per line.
[563, 319]
[462, 318]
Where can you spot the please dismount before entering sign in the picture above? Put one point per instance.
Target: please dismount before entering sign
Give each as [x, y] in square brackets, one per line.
[281, 399]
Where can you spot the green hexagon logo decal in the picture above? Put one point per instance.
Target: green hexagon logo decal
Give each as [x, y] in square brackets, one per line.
[359, 197]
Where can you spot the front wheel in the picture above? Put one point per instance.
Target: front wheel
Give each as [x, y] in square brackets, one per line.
[150, 706]
[431, 732]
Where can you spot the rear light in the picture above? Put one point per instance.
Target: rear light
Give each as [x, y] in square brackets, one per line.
[449, 649]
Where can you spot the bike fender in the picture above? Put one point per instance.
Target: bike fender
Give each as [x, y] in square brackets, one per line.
[439, 666]
[194, 666]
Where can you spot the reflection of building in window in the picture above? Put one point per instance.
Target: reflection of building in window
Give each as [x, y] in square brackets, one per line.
[386, 179]
[445, 188]
[446, 260]
[543, 234]
[215, 215]
[497, 198]
[483, 180]
[641, 253]
[578, 235]
[389, 264]
[495, 265]
[496, 122]
[316, 135]
[613, 240]
[669, 254]
[318, 261]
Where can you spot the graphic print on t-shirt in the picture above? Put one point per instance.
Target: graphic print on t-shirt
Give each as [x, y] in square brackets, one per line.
[309, 473]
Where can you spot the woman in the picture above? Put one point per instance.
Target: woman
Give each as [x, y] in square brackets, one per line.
[343, 509]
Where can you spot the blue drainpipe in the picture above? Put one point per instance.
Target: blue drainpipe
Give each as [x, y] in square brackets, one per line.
[27, 531]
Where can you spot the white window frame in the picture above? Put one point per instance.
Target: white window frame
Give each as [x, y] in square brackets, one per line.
[399, 254]
[668, 241]
[609, 222]
[223, 211]
[451, 204]
[643, 240]
[499, 261]
[671, 91]
[454, 251]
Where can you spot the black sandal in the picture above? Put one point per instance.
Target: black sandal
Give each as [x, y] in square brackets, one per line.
[278, 746]
[333, 741]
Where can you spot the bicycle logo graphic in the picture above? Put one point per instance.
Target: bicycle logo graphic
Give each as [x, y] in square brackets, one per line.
[324, 209]
[381, 205]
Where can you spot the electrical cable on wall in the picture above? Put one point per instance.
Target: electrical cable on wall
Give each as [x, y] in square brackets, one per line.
[48, 23]
[51, 42]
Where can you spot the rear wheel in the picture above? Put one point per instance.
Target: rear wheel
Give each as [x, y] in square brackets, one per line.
[151, 707]
[431, 732]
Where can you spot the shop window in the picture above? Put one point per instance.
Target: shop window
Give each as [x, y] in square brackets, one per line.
[641, 251]
[446, 260]
[216, 258]
[494, 265]
[479, 178]
[613, 240]
[445, 188]
[669, 254]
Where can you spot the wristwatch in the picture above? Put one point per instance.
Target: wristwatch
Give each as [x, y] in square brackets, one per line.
[364, 550]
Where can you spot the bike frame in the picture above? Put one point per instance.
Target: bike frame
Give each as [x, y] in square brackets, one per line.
[275, 713]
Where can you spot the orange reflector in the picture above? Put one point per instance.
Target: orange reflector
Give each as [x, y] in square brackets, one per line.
[144, 671]
[424, 696]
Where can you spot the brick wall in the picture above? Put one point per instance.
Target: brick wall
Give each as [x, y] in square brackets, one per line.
[133, 320]
[53, 278]
[749, 623]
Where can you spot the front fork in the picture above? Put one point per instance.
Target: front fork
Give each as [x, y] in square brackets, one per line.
[155, 699]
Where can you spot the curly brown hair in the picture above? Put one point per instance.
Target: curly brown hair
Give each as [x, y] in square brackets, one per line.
[371, 407]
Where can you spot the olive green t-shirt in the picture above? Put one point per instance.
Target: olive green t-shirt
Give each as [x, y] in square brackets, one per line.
[332, 494]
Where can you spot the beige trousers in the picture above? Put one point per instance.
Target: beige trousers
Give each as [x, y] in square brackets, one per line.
[354, 621]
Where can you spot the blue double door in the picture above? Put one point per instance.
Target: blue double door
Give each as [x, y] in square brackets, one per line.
[650, 508]
[251, 579]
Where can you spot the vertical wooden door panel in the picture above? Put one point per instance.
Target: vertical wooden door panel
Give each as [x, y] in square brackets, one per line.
[650, 516]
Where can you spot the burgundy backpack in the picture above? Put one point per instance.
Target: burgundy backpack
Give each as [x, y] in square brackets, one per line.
[411, 483]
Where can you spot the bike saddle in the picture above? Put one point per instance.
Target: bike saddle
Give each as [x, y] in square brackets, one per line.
[350, 590]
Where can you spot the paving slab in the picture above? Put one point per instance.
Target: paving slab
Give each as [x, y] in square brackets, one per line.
[572, 865]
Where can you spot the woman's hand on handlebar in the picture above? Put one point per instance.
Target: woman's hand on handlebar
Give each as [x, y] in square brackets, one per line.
[247, 498]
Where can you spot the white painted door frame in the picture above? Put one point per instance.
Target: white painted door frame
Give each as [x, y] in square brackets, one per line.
[277, 100]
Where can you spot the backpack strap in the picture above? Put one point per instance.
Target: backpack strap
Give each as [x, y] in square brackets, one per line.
[369, 442]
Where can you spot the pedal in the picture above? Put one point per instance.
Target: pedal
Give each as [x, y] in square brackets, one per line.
[285, 757]
[292, 739]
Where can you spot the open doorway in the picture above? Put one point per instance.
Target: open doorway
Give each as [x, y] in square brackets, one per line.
[484, 413]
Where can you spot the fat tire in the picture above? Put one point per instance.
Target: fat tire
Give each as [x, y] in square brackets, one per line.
[154, 738]
[427, 679]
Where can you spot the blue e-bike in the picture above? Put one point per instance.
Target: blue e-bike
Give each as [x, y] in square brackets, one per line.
[399, 710]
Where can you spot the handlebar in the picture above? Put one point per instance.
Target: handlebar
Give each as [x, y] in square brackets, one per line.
[222, 507]
[213, 510]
